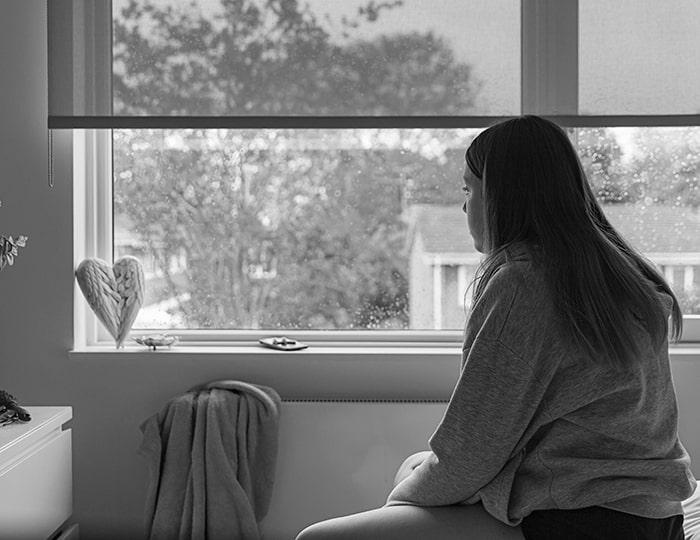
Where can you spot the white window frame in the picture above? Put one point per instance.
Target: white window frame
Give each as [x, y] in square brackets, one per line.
[549, 87]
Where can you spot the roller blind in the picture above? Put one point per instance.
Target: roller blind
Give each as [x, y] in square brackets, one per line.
[80, 57]
[363, 63]
[639, 57]
[235, 63]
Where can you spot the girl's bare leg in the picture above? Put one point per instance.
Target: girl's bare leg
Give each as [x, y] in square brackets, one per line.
[414, 523]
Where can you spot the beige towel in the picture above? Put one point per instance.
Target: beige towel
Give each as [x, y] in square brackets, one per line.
[211, 454]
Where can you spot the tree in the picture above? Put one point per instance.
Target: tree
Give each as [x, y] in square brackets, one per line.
[667, 165]
[276, 234]
[263, 57]
[601, 155]
[663, 170]
[317, 234]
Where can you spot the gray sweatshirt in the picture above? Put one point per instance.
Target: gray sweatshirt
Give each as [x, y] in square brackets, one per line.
[531, 426]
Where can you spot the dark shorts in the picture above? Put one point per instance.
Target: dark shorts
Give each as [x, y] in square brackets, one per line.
[596, 523]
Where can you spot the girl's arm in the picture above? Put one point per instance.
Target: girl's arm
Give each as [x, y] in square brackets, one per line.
[490, 409]
[409, 465]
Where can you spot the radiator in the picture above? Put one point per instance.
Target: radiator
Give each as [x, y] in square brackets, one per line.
[340, 457]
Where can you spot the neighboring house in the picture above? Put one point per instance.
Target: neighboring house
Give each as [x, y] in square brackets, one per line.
[442, 263]
[442, 259]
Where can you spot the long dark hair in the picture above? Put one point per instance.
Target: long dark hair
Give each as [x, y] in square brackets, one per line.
[535, 194]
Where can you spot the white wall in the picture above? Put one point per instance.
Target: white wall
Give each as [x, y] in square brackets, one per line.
[112, 393]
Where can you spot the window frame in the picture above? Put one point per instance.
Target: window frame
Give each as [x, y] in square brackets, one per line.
[549, 87]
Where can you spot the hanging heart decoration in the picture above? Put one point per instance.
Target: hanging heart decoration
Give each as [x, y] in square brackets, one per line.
[115, 293]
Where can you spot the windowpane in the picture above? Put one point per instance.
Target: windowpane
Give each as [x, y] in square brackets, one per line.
[359, 229]
[316, 57]
[647, 182]
[298, 229]
[639, 57]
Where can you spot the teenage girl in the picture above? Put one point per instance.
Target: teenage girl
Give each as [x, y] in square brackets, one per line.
[563, 423]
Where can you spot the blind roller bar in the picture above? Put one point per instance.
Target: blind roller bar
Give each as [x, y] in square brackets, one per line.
[354, 122]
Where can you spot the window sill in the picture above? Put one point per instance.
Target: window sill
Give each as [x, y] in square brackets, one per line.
[418, 350]
[253, 349]
[685, 350]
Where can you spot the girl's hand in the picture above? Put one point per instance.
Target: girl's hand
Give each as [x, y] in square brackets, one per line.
[409, 465]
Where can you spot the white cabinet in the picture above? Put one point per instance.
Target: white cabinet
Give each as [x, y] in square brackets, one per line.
[36, 477]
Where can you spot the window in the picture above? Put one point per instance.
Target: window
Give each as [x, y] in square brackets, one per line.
[288, 229]
[296, 167]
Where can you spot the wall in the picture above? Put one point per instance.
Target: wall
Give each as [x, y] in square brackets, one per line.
[112, 393]
[421, 287]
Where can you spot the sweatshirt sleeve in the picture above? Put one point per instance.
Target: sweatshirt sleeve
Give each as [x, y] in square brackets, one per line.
[491, 407]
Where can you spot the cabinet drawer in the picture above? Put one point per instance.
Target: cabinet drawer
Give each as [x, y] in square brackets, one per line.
[36, 489]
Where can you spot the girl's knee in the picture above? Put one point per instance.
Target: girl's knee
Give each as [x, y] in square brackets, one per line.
[313, 532]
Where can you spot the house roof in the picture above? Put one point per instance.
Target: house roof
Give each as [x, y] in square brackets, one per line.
[651, 229]
[442, 228]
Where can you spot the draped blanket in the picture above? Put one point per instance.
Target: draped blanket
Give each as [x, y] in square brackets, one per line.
[211, 457]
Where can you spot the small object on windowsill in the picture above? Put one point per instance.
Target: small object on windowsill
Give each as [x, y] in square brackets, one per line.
[10, 411]
[283, 343]
[157, 340]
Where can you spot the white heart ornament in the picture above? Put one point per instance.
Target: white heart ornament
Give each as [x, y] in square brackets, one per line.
[115, 293]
